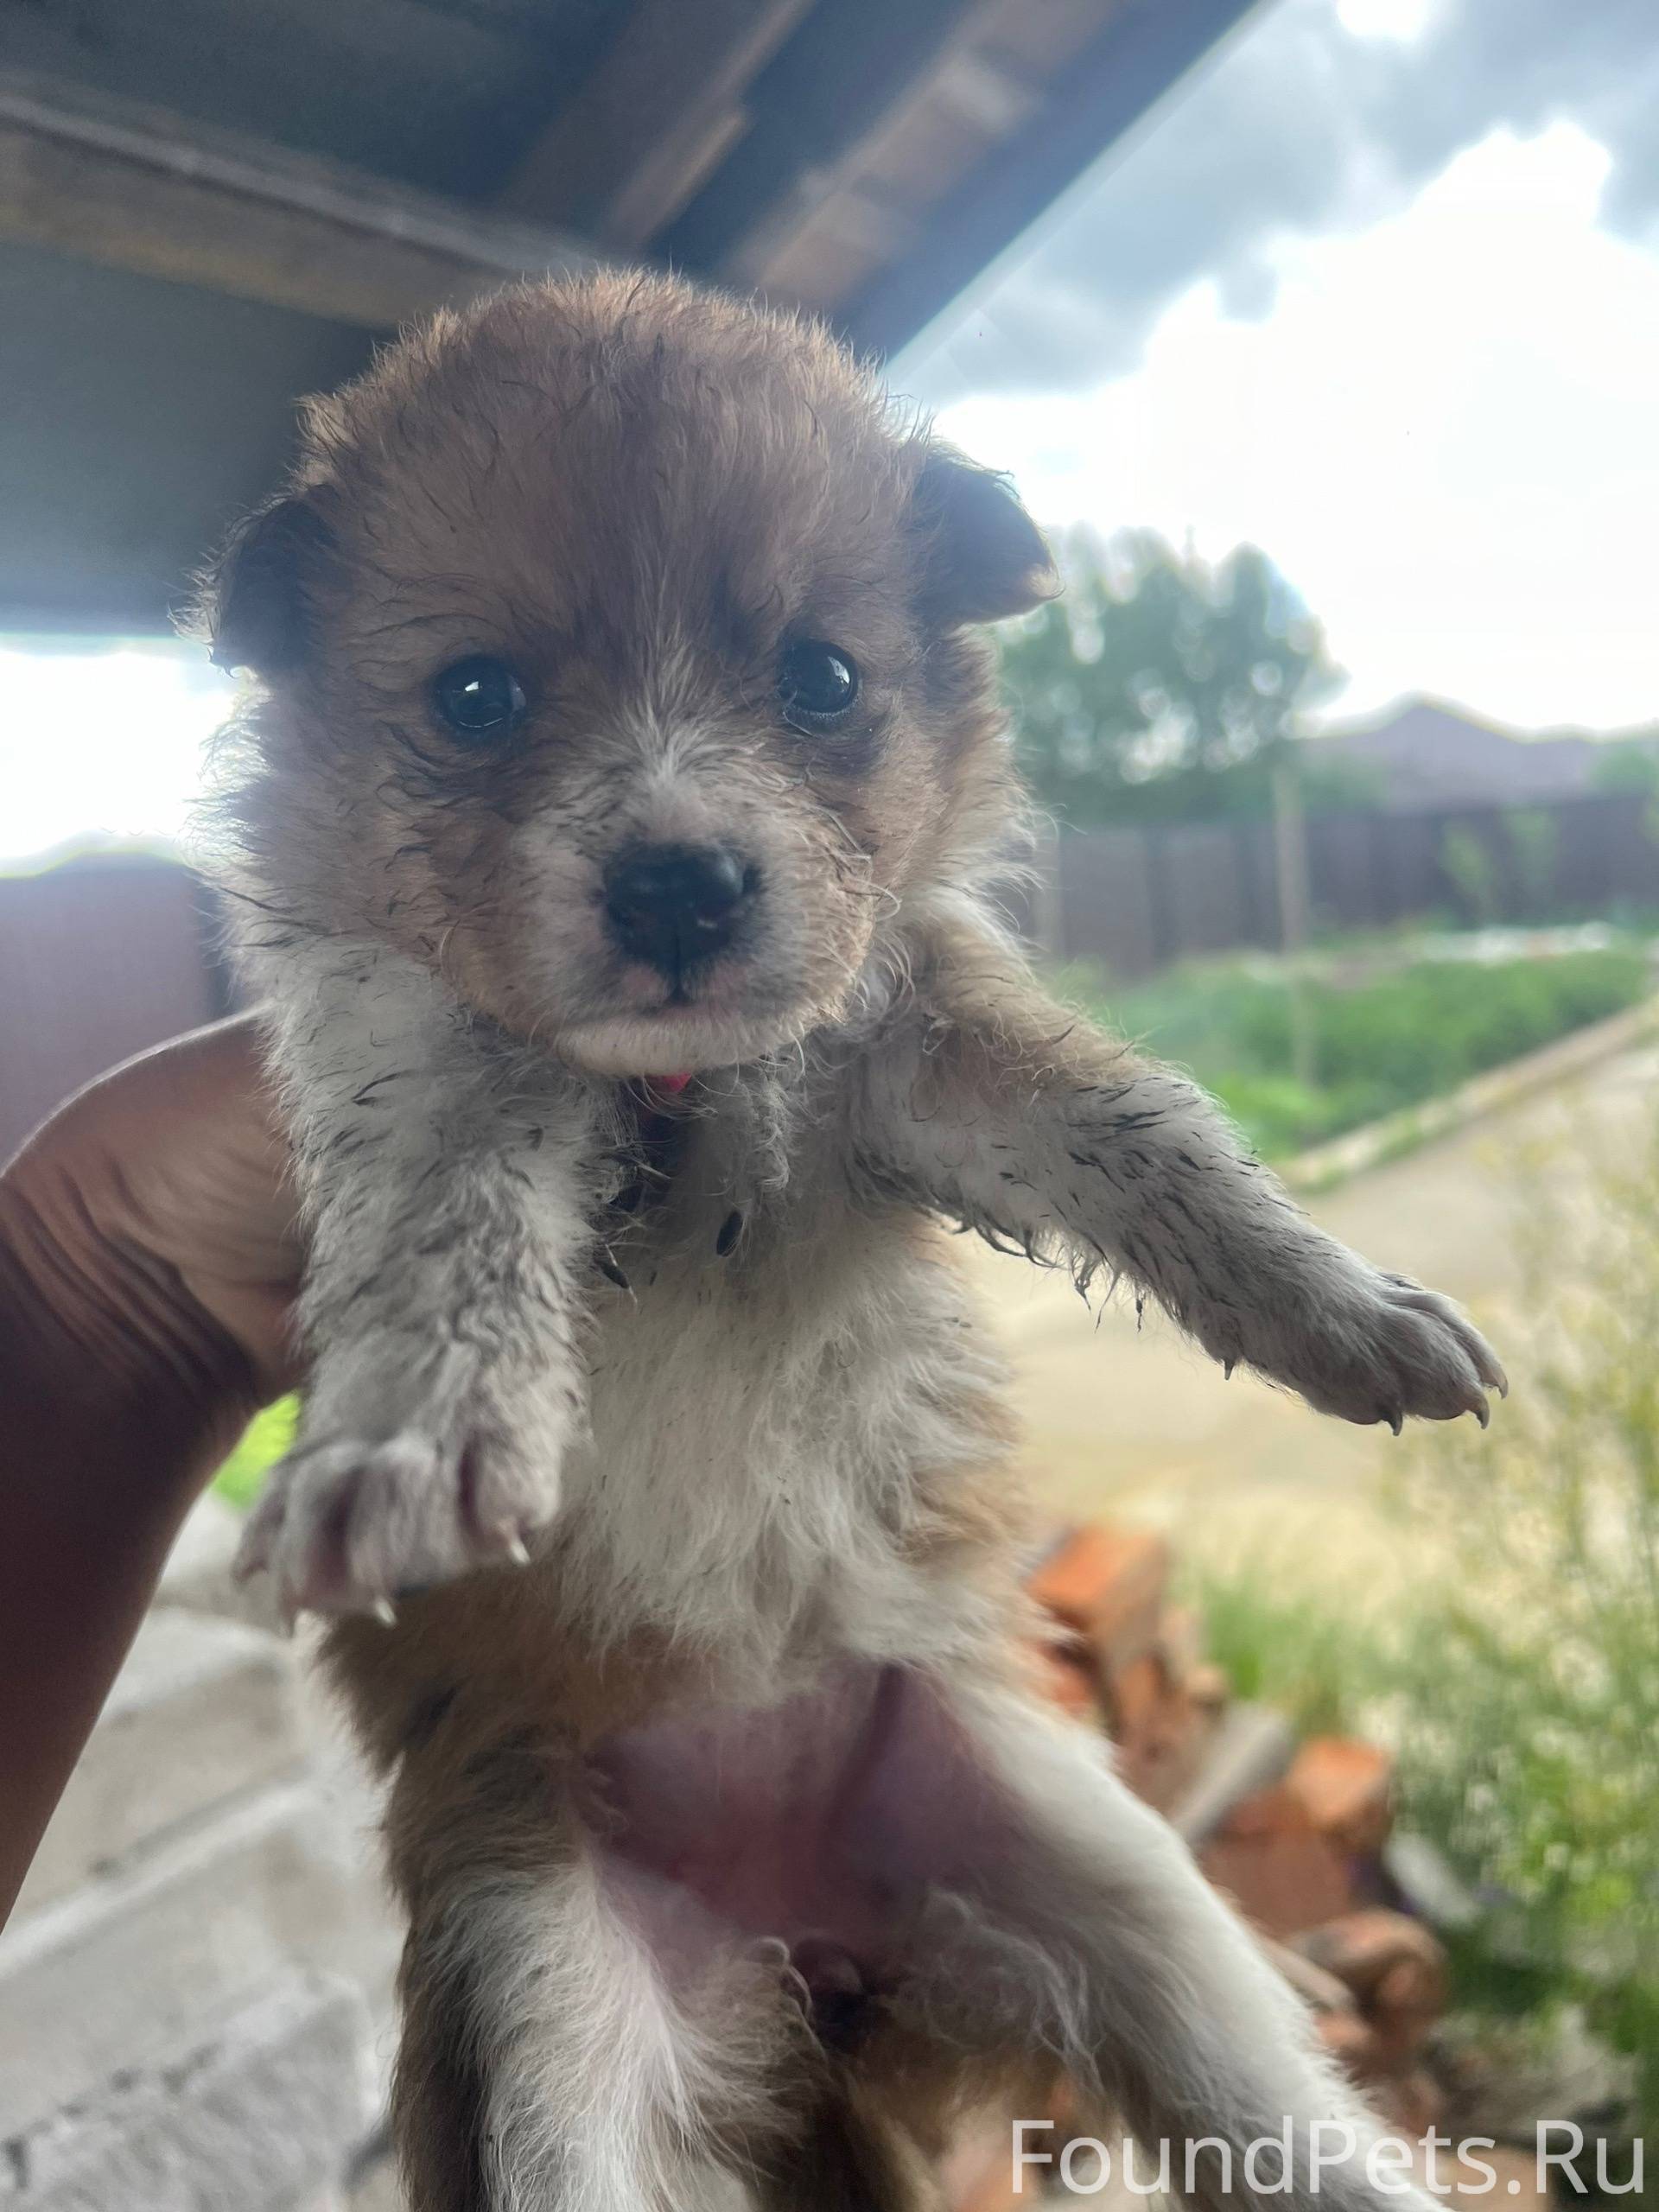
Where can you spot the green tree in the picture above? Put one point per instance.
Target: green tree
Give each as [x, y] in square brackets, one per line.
[1628, 766]
[1160, 685]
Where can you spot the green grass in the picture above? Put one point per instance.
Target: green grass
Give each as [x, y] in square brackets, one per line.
[1383, 1041]
[264, 1441]
[1282, 1646]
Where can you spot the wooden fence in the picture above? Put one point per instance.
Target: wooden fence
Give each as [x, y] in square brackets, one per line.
[1138, 899]
[98, 959]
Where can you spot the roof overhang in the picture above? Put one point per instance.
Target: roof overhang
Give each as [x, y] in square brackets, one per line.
[171, 283]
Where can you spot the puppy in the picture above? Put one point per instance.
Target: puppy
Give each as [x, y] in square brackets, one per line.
[618, 791]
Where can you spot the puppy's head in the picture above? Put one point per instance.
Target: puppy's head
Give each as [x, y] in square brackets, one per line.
[615, 656]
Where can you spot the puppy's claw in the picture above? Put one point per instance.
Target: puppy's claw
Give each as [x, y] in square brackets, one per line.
[1227, 1367]
[505, 1542]
[347, 1522]
[1482, 1412]
[1396, 1421]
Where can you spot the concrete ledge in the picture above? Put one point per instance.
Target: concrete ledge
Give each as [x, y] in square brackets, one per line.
[198, 1572]
[260, 2111]
[135, 1960]
[1326, 1164]
[202, 1711]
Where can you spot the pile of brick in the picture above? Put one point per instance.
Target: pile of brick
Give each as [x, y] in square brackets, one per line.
[1294, 1834]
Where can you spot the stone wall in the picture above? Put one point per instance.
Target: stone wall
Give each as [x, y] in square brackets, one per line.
[195, 1989]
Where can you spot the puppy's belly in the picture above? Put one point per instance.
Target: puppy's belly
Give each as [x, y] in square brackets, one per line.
[822, 1824]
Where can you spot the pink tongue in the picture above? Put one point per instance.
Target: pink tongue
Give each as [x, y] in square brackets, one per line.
[673, 1084]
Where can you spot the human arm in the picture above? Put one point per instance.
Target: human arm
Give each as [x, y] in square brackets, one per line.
[148, 1263]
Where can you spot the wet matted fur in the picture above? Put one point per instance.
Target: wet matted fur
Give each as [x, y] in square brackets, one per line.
[654, 1456]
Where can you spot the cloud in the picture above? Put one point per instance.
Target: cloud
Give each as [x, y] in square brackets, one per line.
[1322, 115]
[1444, 434]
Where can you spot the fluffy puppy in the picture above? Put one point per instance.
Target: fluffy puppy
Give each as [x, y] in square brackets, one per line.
[619, 788]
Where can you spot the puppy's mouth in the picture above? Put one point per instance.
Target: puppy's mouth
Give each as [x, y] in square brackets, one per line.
[677, 1039]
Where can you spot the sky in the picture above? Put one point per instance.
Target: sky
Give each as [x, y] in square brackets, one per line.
[1380, 295]
[1378, 291]
[101, 746]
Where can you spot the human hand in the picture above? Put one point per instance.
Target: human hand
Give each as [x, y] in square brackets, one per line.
[154, 1217]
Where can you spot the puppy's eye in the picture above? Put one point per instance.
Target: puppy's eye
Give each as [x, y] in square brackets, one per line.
[817, 684]
[481, 698]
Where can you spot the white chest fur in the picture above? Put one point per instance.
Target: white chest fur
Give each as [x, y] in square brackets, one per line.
[770, 1427]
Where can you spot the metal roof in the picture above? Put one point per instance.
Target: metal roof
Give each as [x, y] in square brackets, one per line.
[209, 208]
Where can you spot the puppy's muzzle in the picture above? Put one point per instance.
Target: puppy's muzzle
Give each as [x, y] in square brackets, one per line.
[676, 907]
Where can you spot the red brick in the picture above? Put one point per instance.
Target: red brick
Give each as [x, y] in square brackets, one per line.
[1107, 1586]
[1283, 1874]
[1067, 1676]
[1347, 1786]
[1396, 1968]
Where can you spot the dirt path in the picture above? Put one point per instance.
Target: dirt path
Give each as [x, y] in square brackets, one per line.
[1130, 1421]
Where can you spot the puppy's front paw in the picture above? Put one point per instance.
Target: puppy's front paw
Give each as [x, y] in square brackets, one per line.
[1380, 1347]
[406, 1494]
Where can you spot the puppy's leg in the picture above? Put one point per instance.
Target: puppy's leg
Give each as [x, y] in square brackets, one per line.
[577, 2036]
[1069, 1914]
[987, 1102]
[451, 1181]
[545, 2067]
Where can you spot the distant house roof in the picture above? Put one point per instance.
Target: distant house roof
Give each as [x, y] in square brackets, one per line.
[1427, 754]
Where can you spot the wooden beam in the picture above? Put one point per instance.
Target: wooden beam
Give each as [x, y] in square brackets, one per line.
[1111, 86]
[658, 116]
[138, 187]
[845, 220]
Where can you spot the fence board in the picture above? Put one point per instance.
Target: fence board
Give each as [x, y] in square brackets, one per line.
[1135, 899]
[98, 959]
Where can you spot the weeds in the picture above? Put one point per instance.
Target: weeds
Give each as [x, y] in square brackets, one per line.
[1518, 1684]
[1531, 1682]
[1287, 1647]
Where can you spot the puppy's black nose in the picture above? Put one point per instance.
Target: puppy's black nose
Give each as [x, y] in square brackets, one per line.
[673, 906]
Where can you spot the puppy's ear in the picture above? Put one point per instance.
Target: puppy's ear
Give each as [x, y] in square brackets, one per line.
[255, 598]
[982, 556]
